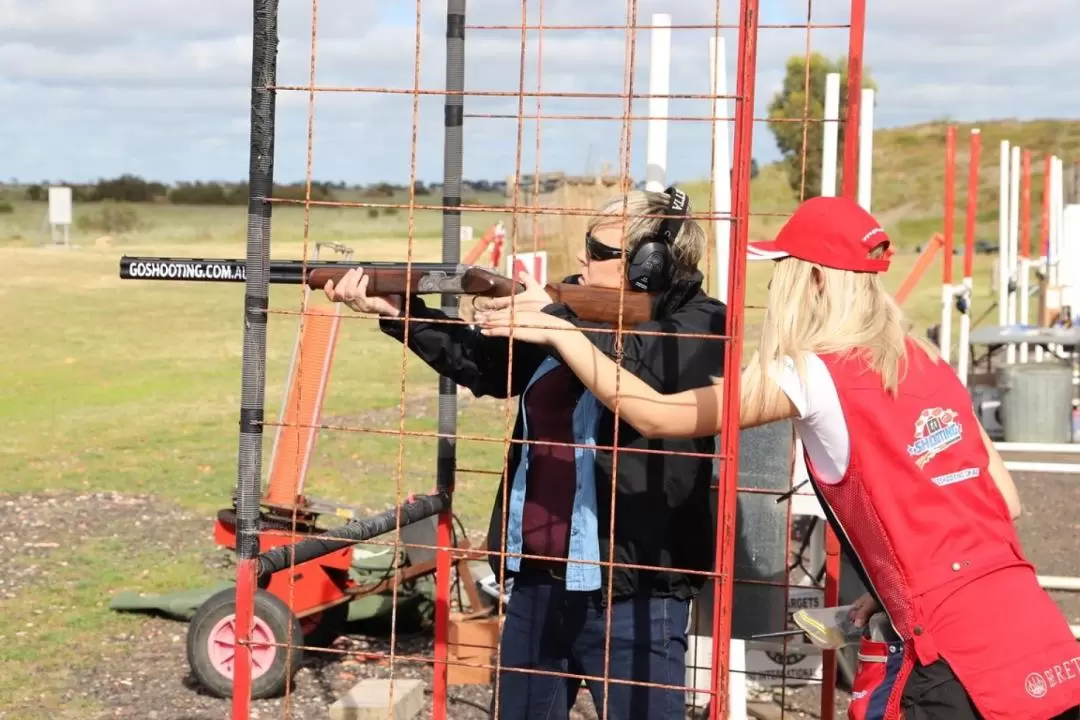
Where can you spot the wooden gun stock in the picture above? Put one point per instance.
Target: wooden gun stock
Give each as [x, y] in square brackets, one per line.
[594, 304]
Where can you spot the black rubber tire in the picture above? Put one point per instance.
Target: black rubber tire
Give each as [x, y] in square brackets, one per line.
[330, 627]
[277, 617]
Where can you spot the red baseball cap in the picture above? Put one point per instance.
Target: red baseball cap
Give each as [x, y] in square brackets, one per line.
[831, 231]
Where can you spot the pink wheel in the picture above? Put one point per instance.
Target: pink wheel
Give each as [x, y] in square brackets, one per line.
[221, 646]
[211, 644]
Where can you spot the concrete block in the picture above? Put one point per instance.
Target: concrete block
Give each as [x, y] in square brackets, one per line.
[764, 711]
[370, 700]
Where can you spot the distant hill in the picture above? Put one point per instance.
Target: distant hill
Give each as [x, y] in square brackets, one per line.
[908, 190]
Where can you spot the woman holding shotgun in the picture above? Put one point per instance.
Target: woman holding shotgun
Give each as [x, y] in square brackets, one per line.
[908, 478]
[554, 522]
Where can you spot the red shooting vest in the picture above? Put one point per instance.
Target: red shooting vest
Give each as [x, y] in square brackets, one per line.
[933, 533]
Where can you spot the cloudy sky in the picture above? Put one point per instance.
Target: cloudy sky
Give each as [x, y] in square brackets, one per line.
[93, 88]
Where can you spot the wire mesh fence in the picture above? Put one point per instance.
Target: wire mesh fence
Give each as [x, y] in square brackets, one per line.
[636, 504]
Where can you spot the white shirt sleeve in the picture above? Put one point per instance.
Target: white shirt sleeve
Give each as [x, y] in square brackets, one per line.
[821, 424]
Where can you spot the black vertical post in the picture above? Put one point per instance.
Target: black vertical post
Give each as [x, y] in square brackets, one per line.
[256, 303]
[257, 286]
[451, 238]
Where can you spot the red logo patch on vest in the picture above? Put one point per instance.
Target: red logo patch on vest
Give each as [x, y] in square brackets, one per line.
[936, 430]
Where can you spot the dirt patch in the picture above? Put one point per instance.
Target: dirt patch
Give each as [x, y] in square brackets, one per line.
[154, 681]
[805, 702]
[1050, 529]
[38, 530]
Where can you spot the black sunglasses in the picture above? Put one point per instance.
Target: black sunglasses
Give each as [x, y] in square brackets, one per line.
[598, 251]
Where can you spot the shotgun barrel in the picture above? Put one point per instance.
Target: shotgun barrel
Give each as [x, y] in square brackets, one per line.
[385, 278]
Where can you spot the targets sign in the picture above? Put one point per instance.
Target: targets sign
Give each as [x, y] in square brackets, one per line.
[534, 263]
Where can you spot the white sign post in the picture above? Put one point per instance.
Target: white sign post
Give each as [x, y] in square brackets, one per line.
[60, 213]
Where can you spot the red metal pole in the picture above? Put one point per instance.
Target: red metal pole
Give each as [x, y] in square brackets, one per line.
[746, 78]
[856, 39]
[975, 146]
[442, 614]
[245, 610]
[950, 202]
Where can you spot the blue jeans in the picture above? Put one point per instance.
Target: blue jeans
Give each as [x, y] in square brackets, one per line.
[550, 629]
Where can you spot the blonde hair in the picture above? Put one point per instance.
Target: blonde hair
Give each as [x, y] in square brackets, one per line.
[687, 248]
[851, 314]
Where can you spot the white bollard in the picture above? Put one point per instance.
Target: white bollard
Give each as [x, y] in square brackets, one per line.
[721, 166]
[866, 148]
[659, 84]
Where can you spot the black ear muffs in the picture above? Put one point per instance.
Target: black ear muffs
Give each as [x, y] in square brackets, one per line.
[651, 267]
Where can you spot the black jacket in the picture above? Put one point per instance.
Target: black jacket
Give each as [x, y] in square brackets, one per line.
[664, 516]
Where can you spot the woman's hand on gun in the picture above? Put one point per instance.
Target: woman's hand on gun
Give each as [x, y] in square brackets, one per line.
[526, 325]
[352, 291]
[532, 299]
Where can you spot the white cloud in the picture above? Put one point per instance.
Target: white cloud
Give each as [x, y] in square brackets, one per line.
[98, 87]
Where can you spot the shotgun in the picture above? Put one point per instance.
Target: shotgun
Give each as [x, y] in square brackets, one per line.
[591, 304]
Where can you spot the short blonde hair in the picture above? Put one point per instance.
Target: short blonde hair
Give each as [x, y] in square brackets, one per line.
[852, 313]
[687, 248]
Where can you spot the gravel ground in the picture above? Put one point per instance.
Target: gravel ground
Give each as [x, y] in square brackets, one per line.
[151, 679]
[36, 528]
[156, 683]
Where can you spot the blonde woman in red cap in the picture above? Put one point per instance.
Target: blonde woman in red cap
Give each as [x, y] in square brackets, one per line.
[910, 481]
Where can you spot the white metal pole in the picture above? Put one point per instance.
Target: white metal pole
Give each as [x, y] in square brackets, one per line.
[1053, 230]
[721, 186]
[866, 147]
[659, 84]
[1057, 209]
[721, 181]
[964, 351]
[1055, 448]
[1059, 582]
[945, 326]
[1024, 289]
[1043, 467]
[945, 339]
[1067, 258]
[1044, 259]
[1003, 237]
[1014, 235]
[829, 147]
[1051, 222]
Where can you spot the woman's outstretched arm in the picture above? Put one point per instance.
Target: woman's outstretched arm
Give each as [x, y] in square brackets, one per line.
[688, 414]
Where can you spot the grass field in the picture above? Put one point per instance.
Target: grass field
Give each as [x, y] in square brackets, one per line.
[133, 388]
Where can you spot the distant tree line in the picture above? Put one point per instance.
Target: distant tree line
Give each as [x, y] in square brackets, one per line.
[134, 189]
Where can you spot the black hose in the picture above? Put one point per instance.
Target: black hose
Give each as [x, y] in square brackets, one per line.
[357, 531]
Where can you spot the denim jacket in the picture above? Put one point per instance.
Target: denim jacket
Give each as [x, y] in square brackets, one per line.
[665, 517]
[584, 541]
